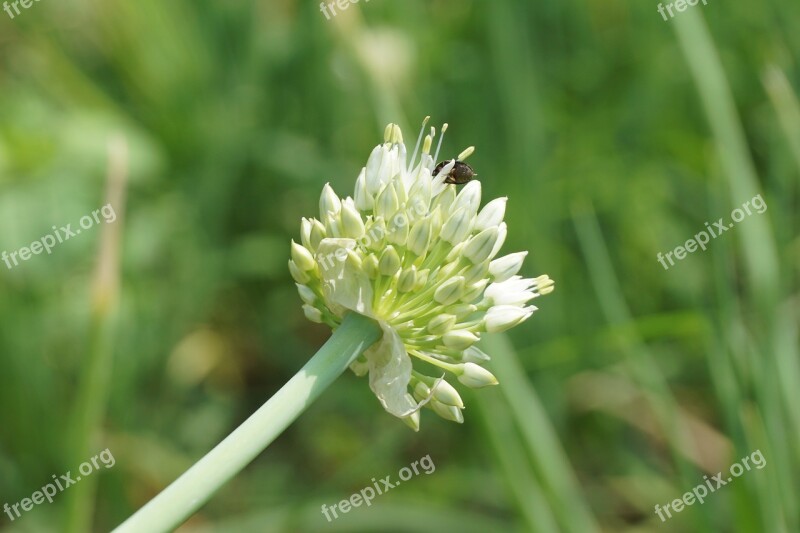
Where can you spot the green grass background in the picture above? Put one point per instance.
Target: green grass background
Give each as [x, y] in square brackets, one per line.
[615, 135]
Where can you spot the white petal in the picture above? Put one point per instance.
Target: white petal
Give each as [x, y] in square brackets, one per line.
[479, 247]
[492, 214]
[364, 200]
[504, 267]
[438, 184]
[469, 198]
[502, 317]
[328, 202]
[476, 376]
[515, 291]
[372, 176]
[457, 227]
[502, 232]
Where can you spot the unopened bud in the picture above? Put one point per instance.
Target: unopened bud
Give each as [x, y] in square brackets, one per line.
[390, 262]
[450, 291]
[475, 376]
[459, 339]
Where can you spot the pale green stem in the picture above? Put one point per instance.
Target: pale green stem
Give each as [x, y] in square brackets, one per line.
[90, 405]
[190, 491]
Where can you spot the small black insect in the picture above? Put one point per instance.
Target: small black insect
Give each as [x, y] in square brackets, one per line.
[460, 174]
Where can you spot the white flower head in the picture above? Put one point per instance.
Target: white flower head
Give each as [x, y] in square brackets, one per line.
[417, 255]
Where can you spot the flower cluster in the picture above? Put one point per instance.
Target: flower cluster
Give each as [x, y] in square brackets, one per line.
[419, 257]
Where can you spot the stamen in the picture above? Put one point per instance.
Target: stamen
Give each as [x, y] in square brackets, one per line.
[426, 148]
[416, 146]
[441, 138]
[543, 285]
[466, 153]
[387, 133]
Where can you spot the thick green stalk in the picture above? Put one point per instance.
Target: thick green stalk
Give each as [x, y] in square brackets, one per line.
[190, 491]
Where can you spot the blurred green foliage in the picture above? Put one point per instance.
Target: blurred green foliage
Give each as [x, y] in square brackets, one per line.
[615, 135]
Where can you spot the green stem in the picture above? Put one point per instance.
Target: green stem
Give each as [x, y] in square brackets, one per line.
[190, 491]
[88, 418]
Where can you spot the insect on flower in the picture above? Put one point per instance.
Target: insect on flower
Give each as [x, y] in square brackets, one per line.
[459, 175]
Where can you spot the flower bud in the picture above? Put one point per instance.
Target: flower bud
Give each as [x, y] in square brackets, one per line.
[363, 199]
[447, 270]
[504, 267]
[492, 214]
[306, 294]
[372, 182]
[377, 233]
[419, 197]
[298, 275]
[328, 202]
[445, 199]
[448, 412]
[407, 279]
[473, 354]
[398, 229]
[476, 273]
[459, 339]
[420, 236]
[354, 261]
[472, 292]
[450, 291]
[475, 376]
[400, 191]
[317, 234]
[305, 234]
[462, 310]
[422, 279]
[352, 225]
[502, 317]
[479, 248]
[390, 262]
[412, 420]
[445, 393]
[333, 226]
[371, 266]
[302, 257]
[502, 232]
[387, 168]
[441, 324]
[456, 252]
[312, 313]
[457, 227]
[421, 391]
[469, 198]
[387, 203]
